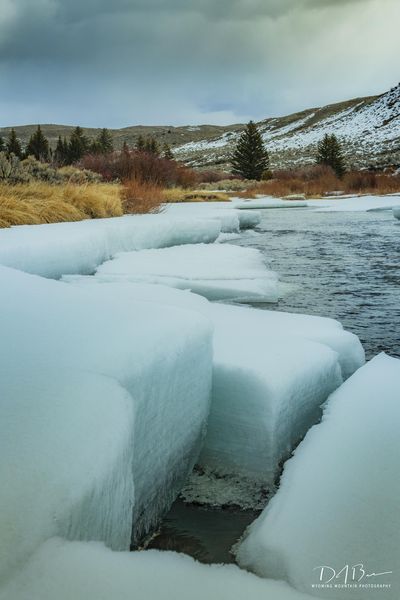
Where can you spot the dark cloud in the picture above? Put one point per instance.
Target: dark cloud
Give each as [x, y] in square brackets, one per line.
[116, 63]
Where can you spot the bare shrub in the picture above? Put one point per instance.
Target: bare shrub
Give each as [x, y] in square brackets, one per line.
[139, 197]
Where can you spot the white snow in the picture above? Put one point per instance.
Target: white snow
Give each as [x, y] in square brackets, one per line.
[338, 500]
[355, 204]
[216, 271]
[396, 212]
[80, 347]
[87, 571]
[264, 202]
[231, 220]
[272, 371]
[61, 248]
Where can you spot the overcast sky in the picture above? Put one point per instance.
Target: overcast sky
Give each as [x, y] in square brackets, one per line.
[116, 63]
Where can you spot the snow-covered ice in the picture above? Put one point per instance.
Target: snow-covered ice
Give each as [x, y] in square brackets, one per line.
[57, 249]
[272, 371]
[63, 570]
[355, 204]
[268, 202]
[65, 468]
[158, 356]
[216, 271]
[338, 502]
[231, 220]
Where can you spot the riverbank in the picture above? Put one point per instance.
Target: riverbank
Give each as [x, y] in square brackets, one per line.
[230, 388]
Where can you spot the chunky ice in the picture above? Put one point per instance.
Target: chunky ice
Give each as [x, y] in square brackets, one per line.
[337, 504]
[216, 271]
[148, 351]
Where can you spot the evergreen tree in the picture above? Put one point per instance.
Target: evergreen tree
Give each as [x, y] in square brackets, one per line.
[151, 146]
[61, 151]
[125, 147]
[167, 152]
[13, 145]
[329, 153]
[250, 158]
[105, 141]
[140, 144]
[2, 144]
[38, 146]
[78, 145]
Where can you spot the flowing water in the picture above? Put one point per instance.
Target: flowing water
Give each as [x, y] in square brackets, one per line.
[340, 265]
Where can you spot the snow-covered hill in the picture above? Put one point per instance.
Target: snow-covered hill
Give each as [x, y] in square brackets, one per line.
[369, 128]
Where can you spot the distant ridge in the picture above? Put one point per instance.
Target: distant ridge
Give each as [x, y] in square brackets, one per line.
[370, 128]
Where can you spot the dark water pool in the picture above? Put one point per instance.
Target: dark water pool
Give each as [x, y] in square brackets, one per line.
[340, 265]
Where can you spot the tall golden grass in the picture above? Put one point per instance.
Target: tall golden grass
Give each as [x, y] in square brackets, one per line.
[179, 194]
[36, 203]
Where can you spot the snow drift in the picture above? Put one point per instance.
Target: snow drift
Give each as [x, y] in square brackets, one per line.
[56, 333]
[87, 571]
[338, 500]
[216, 271]
[60, 248]
[271, 373]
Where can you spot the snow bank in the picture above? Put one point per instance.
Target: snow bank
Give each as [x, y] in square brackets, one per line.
[48, 327]
[396, 212]
[231, 220]
[78, 571]
[266, 323]
[60, 248]
[338, 500]
[65, 468]
[355, 204]
[268, 202]
[218, 271]
[272, 371]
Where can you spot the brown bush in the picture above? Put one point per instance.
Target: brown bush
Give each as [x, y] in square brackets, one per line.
[317, 181]
[140, 166]
[140, 197]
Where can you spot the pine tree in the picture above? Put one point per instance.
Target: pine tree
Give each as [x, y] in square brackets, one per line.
[151, 146]
[329, 153]
[250, 158]
[105, 140]
[78, 145]
[125, 147]
[167, 152]
[13, 145]
[38, 146]
[61, 152]
[2, 144]
[140, 144]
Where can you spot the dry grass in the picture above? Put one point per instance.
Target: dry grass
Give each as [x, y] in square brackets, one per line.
[182, 195]
[320, 181]
[35, 203]
[139, 197]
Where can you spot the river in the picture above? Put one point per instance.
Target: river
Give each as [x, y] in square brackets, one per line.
[343, 265]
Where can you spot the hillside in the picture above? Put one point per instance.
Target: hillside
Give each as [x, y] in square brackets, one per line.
[370, 128]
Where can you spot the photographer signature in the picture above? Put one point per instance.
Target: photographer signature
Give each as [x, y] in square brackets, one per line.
[350, 573]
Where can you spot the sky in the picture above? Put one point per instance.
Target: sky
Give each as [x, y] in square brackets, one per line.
[115, 63]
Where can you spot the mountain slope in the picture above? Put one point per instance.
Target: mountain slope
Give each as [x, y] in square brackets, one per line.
[369, 128]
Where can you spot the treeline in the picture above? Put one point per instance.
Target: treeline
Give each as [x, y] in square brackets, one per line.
[250, 159]
[76, 147]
